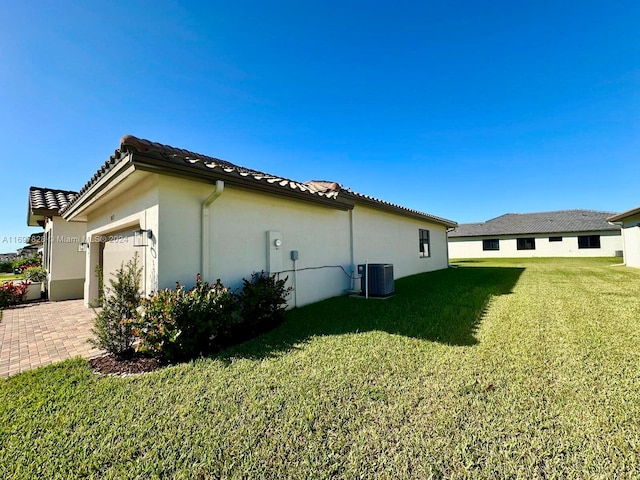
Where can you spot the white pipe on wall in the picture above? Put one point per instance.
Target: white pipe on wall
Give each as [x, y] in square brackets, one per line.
[206, 228]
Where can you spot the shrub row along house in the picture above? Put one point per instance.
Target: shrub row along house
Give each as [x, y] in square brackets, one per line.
[184, 213]
[566, 233]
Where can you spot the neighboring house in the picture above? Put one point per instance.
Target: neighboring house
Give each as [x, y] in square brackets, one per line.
[630, 223]
[62, 258]
[565, 233]
[184, 213]
[8, 257]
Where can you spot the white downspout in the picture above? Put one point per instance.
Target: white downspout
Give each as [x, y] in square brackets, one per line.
[206, 228]
[351, 252]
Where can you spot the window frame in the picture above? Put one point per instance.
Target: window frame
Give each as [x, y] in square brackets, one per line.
[488, 247]
[424, 234]
[522, 243]
[589, 239]
[555, 239]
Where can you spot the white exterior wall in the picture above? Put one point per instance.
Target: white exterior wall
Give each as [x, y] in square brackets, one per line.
[240, 220]
[631, 236]
[384, 237]
[65, 264]
[610, 243]
[131, 209]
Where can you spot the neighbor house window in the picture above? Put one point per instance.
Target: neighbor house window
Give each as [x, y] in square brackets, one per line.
[424, 243]
[589, 241]
[555, 239]
[526, 243]
[491, 244]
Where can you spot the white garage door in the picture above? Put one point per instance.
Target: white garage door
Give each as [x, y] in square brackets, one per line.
[118, 249]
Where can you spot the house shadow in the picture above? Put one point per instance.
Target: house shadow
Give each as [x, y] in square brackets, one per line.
[444, 306]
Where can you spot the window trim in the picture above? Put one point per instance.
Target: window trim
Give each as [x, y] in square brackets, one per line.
[488, 247]
[595, 238]
[422, 244]
[521, 243]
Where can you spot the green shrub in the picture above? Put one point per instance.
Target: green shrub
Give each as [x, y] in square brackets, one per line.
[115, 321]
[35, 274]
[22, 264]
[262, 304]
[12, 293]
[178, 324]
[6, 267]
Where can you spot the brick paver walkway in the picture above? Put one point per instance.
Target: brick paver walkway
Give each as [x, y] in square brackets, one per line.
[36, 334]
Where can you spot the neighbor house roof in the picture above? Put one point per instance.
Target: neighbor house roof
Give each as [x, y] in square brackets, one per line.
[563, 221]
[45, 202]
[160, 158]
[623, 215]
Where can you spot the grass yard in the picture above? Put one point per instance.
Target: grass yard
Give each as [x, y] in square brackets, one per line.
[5, 277]
[495, 369]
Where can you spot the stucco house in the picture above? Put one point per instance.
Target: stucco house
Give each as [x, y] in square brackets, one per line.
[62, 258]
[629, 221]
[185, 213]
[564, 233]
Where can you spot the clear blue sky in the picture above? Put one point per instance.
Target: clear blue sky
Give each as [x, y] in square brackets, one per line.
[462, 109]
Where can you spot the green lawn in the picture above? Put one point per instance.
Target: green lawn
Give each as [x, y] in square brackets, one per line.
[5, 277]
[495, 369]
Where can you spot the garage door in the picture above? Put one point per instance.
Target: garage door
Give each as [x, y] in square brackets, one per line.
[118, 249]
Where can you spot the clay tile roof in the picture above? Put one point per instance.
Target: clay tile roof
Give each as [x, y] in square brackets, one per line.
[563, 221]
[50, 199]
[180, 158]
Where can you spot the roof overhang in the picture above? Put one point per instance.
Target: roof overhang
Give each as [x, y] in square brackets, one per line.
[122, 169]
[621, 216]
[397, 209]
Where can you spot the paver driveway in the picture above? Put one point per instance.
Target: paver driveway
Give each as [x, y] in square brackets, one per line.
[36, 334]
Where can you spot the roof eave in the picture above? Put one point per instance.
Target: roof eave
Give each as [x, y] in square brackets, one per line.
[103, 185]
[389, 207]
[623, 215]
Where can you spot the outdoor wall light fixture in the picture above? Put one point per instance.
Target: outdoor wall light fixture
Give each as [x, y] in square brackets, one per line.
[141, 236]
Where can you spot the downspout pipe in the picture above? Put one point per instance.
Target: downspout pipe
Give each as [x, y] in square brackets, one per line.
[206, 229]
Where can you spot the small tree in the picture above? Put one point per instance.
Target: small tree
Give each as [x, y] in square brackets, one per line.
[113, 324]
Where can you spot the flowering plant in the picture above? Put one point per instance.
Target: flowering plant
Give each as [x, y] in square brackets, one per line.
[13, 292]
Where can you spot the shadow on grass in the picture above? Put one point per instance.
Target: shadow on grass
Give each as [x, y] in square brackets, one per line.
[445, 306]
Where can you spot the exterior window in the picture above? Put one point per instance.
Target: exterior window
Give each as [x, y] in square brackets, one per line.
[491, 244]
[555, 239]
[526, 243]
[425, 251]
[589, 241]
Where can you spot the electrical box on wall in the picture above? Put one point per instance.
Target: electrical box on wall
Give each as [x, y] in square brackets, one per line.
[294, 255]
[274, 251]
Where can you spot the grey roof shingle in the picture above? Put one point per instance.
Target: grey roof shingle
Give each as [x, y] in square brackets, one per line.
[563, 221]
[50, 199]
[178, 158]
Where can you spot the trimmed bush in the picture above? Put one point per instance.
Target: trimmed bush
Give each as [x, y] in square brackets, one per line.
[6, 267]
[35, 274]
[113, 329]
[178, 324]
[263, 301]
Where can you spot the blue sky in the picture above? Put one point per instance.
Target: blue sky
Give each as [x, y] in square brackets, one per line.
[462, 109]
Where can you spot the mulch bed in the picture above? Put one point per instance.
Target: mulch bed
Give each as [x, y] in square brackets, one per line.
[110, 365]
